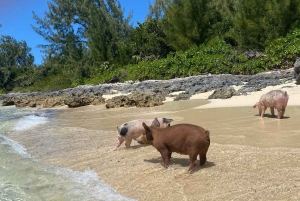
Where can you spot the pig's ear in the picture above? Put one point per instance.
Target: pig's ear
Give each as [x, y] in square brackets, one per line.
[155, 123]
[167, 121]
[145, 126]
[148, 132]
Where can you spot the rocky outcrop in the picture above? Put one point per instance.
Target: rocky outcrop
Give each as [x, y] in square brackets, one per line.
[136, 99]
[92, 94]
[83, 99]
[223, 93]
[34, 100]
[297, 71]
[182, 96]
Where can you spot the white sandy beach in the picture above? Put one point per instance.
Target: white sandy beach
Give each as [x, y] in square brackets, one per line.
[250, 158]
[250, 99]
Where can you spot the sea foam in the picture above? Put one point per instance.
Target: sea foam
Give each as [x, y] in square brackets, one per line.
[14, 146]
[29, 121]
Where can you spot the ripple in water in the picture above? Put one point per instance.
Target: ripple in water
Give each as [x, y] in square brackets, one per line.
[28, 122]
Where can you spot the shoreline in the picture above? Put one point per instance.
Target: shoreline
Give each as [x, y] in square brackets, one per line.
[250, 158]
[251, 98]
[178, 88]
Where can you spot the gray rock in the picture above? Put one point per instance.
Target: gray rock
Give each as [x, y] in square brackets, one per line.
[92, 94]
[297, 71]
[136, 99]
[182, 96]
[83, 99]
[223, 93]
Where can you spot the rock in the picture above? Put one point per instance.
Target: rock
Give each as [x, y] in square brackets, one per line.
[297, 71]
[83, 100]
[118, 101]
[147, 99]
[223, 93]
[92, 94]
[44, 101]
[138, 99]
[253, 55]
[8, 101]
[114, 79]
[182, 96]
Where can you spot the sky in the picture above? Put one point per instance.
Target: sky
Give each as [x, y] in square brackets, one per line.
[16, 19]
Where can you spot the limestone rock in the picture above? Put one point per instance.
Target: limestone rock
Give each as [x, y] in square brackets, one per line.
[223, 93]
[136, 99]
[297, 71]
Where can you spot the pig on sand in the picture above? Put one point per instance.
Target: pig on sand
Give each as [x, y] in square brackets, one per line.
[275, 99]
[134, 129]
[185, 139]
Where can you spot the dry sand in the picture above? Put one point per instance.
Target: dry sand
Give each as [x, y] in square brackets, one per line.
[249, 158]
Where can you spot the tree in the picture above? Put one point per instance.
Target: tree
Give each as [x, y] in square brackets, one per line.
[84, 28]
[257, 23]
[58, 29]
[15, 59]
[14, 53]
[189, 22]
[148, 39]
[157, 10]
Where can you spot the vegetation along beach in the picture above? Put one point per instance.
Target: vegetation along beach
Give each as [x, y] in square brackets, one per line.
[204, 63]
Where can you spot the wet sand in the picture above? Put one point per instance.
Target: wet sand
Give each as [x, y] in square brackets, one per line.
[249, 158]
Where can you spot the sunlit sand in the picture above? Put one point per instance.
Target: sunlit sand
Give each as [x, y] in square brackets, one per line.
[250, 158]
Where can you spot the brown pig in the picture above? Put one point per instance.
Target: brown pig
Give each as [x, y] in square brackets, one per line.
[134, 129]
[185, 139]
[277, 99]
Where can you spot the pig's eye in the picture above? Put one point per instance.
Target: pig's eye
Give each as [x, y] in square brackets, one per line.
[168, 124]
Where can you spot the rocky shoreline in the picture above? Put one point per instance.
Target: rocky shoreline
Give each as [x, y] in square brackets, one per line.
[149, 93]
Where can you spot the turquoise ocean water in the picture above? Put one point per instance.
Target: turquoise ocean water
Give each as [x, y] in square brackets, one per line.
[25, 178]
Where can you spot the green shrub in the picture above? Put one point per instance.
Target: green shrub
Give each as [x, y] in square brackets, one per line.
[219, 58]
[284, 51]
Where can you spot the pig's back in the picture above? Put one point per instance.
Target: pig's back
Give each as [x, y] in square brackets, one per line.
[184, 138]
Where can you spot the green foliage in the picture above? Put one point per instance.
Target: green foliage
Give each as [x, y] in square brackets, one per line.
[14, 53]
[283, 52]
[79, 30]
[189, 22]
[217, 59]
[257, 23]
[15, 62]
[148, 39]
[91, 42]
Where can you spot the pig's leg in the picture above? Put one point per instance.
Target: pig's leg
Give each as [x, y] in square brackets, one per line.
[170, 155]
[128, 140]
[119, 142]
[193, 161]
[165, 156]
[272, 111]
[283, 111]
[263, 110]
[280, 111]
[202, 159]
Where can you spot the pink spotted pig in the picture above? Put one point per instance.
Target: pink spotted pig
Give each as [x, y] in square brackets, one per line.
[134, 129]
[277, 99]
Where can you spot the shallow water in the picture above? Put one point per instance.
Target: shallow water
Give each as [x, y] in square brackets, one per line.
[228, 125]
[249, 158]
[23, 177]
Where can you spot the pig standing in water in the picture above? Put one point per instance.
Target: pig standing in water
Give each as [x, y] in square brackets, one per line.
[134, 129]
[274, 99]
[185, 139]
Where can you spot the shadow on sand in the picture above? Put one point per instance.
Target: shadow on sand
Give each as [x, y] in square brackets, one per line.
[183, 162]
[271, 116]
